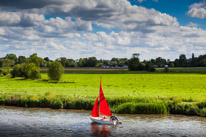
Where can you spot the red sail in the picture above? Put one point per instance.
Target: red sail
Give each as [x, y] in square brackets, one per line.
[103, 106]
[95, 111]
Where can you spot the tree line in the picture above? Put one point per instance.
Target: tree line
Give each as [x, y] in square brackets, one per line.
[10, 60]
[29, 68]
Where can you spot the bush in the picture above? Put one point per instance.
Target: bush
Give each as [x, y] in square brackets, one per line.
[32, 71]
[45, 102]
[176, 108]
[55, 71]
[191, 109]
[2, 101]
[18, 70]
[166, 69]
[33, 101]
[15, 71]
[201, 105]
[125, 108]
[180, 108]
[203, 112]
[26, 70]
[57, 104]
[149, 67]
[115, 101]
[142, 108]
[141, 66]
[35, 73]
[5, 72]
[77, 103]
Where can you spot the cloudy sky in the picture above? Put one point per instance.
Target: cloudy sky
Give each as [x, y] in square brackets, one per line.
[103, 28]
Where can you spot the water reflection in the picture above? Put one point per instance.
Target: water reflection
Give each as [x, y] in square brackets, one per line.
[47, 122]
[100, 130]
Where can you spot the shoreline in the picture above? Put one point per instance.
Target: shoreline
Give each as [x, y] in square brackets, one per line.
[89, 112]
[118, 105]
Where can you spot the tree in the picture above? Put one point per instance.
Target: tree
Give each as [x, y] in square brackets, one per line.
[149, 67]
[182, 60]
[7, 63]
[21, 59]
[99, 65]
[160, 61]
[55, 71]
[91, 62]
[172, 65]
[176, 62]
[141, 66]
[80, 62]
[63, 61]
[106, 62]
[43, 63]
[135, 55]
[46, 59]
[35, 59]
[11, 57]
[113, 63]
[133, 63]
[123, 61]
[201, 61]
[1, 62]
[71, 63]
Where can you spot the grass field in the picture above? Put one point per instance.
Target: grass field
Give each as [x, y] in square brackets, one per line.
[158, 93]
[185, 86]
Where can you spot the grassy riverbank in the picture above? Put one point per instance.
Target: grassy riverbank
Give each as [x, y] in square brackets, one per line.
[121, 105]
[125, 93]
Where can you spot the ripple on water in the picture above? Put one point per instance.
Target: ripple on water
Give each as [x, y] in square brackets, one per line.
[47, 122]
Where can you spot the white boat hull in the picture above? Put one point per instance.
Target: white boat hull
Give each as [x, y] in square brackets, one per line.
[103, 121]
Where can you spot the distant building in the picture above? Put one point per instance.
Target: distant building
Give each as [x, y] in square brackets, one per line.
[125, 66]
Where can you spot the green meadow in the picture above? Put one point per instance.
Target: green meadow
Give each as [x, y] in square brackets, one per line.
[186, 86]
[174, 93]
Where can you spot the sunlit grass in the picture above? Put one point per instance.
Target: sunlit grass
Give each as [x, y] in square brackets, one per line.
[182, 86]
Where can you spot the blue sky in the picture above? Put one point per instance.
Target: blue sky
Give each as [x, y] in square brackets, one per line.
[103, 28]
[176, 8]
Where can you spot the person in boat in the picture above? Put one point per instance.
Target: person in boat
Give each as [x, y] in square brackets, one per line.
[104, 117]
[113, 118]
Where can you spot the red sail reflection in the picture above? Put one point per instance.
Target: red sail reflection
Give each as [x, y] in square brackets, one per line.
[100, 130]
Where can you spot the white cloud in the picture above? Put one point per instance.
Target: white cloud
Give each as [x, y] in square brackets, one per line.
[9, 18]
[109, 14]
[20, 19]
[165, 42]
[2, 31]
[140, 1]
[105, 13]
[197, 10]
[147, 31]
[191, 24]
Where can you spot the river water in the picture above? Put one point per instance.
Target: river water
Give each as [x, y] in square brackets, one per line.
[58, 123]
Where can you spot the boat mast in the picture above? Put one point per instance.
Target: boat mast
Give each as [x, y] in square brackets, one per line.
[99, 91]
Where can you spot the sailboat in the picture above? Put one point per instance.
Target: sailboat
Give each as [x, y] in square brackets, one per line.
[103, 110]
